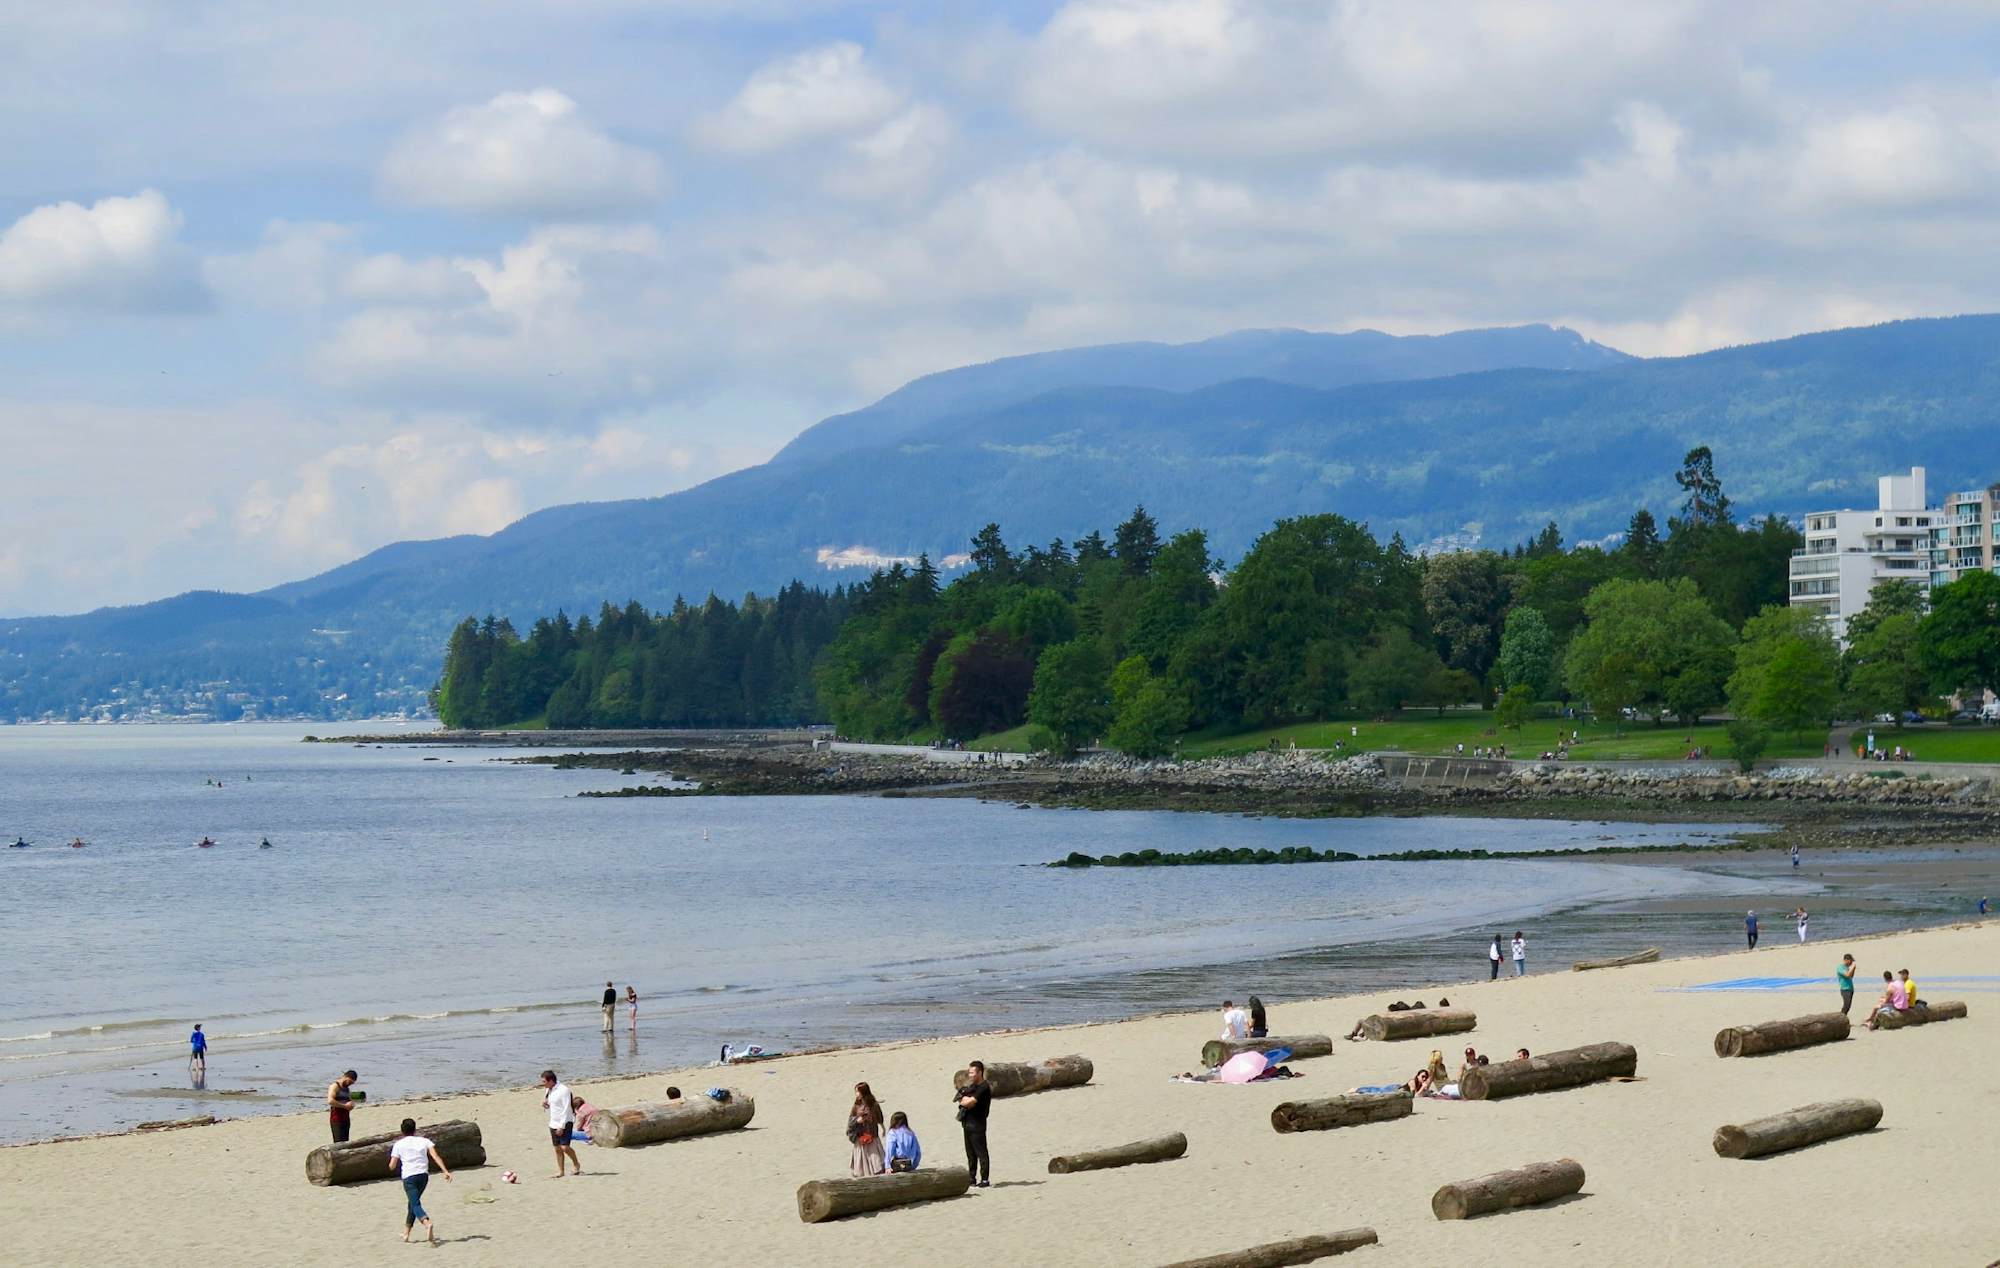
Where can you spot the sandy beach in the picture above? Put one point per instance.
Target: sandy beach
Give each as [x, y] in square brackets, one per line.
[236, 1193]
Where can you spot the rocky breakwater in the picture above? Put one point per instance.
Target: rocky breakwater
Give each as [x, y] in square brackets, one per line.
[789, 771]
[1801, 784]
[1290, 782]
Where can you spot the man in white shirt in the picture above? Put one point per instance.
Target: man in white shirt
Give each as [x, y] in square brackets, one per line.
[411, 1157]
[1235, 1022]
[562, 1120]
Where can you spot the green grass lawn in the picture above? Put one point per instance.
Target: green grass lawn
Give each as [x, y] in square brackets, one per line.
[1939, 744]
[1014, 741]
[1422, 731]
[538, 723]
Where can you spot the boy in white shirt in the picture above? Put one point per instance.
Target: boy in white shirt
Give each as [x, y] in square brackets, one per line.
[1235, 1022]
[411, 1157]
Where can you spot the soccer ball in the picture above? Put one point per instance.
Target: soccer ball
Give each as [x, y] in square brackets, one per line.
[510, 1177]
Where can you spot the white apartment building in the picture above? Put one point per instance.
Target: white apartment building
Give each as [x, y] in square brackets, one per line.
[1966, 536]
[1848, 553]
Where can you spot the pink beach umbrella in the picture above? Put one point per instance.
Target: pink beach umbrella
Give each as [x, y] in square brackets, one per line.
[1244, 1067]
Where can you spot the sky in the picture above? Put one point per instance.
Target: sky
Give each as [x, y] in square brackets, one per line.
[282, 284]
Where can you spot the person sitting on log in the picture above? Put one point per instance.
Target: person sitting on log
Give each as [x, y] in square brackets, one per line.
[1471, 1060]
[903, 1150]
[1909, 988]
[1895, 999]
[1520, 1054]
[1258, 1027]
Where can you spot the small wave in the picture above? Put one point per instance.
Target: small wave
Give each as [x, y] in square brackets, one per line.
[35, 1038]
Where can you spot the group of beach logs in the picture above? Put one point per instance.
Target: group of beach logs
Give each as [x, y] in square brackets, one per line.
[1297, 1250]
[1217, 1051]
[1418, 1023]
[655, 1121]
[1571, 1067]
[1349, 1110]
[358, 1161]
[1777, 1036]
[1010, 1078]
[1806, 1125]
[1503, 1190]
[821, 1200]
[1943, 1010]
[1648, 956]
[1158, 1149]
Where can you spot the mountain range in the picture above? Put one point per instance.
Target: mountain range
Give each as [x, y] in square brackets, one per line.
[1477, 437]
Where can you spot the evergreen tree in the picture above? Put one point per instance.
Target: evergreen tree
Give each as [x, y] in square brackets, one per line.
[1137, 541]
[1642, 547]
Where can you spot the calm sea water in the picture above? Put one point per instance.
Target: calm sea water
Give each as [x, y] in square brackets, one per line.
[442, 920]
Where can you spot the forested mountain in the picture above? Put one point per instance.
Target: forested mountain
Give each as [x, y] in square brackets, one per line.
[1202, 435]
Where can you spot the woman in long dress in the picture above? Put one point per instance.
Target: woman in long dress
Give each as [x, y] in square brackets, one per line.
[864, 1133]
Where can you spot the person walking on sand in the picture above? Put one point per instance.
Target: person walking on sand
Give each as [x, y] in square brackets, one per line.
[1493, 958]
[562, 1120]
[411, 1157]
[610, 1005]
[197, 1051]
[974, 1100]
[1750, 927]
[1802, 915]
[1845, 976]
[632, 1003]
[340, 1105]
[1520, 955]
[864, 1133]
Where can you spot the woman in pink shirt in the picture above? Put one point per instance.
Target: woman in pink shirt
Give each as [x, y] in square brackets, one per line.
[1895, 999]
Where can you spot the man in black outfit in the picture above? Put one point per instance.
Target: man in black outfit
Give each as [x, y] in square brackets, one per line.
[974, 1099]
[610, 1005]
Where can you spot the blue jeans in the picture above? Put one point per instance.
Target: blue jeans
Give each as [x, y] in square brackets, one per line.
[1520, 968]
[413, 1189]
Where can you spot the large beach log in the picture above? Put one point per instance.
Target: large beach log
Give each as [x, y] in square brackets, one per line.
[1571, 1067]
[1158, 1149]
[1349, 1110]
[1648, 956]
[1297, 1250]
[668, 1120]
[1419, 1023]
[1217, 1051]
[1011, 1078]
[1503, 1190]
[1776, 1036]
[1796, 1127]
[821, 1200]
[358, 1161]
[1943, 1010]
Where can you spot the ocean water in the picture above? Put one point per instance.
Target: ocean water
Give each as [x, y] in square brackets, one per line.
[442, 920]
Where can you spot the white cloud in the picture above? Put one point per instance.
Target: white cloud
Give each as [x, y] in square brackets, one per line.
[393, 280]
[520, 154]
[896, 159]
[811, 96]
[116, 255]
[292, 268]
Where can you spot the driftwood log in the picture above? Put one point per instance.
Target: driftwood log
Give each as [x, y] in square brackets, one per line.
[1503, 1190]
[175, 1124]
[1648, 956]
[1943, 1010]
[1217, 1051]
[1794, 1128]
[1419, 1023]
[668, 1120]
[1571, 1067]
[1298, 1250]
[1777, 1036]
[359, 1161]
[1349, 1110]
[1158, 1149]
[822, 1200]
[1009, 1078]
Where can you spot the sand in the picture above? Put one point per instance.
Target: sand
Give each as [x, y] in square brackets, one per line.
[235, 1193]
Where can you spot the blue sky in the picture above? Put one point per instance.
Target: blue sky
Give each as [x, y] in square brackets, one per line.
[279, 285]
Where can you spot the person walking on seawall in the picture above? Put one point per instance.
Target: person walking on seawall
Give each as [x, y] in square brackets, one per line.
[1493, 958]
[1750, 926]
[197, 1051]
[1520, 955]
[1845, 976]
[411, 1158]
[610, 1005]
[340, 1105]
[974, 1100]
[562, 1120]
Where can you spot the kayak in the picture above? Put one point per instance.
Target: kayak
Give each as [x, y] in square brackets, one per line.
[78, 843]
[204, 844]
